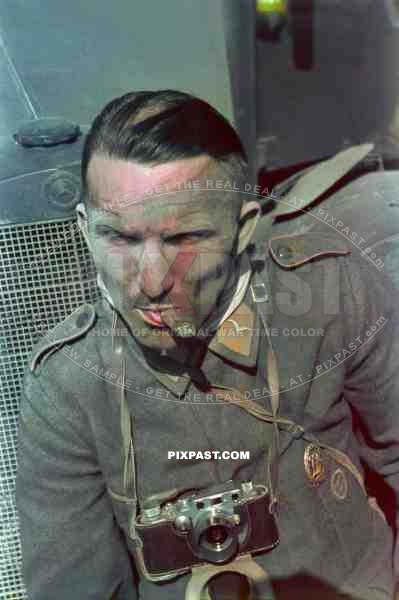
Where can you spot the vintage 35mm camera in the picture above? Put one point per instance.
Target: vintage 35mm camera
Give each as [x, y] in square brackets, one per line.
[213, 527]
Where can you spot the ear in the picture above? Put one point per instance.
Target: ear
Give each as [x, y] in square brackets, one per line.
[83, 219]
[249, 217]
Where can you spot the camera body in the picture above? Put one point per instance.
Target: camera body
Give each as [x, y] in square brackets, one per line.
[213, 527]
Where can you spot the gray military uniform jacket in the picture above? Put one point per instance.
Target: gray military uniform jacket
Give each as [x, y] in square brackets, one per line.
[333, 322]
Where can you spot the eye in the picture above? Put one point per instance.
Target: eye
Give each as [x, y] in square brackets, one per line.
[112, 235]
[116, 236]
[189, 236]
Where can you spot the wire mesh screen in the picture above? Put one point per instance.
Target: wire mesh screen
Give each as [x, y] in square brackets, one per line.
[46, 272]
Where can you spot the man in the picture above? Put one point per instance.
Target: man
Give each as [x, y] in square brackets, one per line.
[212, 335]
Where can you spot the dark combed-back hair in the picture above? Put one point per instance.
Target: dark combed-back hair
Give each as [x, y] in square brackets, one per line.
[156, 127]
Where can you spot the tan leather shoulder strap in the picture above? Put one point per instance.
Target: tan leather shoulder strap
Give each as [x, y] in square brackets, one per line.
[319, 179]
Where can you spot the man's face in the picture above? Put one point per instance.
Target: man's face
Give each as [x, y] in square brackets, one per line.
[165, 252]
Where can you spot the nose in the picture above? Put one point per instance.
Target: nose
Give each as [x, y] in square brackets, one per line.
[156, 278]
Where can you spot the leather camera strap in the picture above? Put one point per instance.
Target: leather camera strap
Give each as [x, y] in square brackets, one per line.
[126, 423]
[251, 407]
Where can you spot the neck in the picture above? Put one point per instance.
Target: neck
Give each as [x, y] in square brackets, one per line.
[225, 297]
[191, 350]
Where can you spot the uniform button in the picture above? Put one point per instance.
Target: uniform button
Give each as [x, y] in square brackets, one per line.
[82, 320]
[284, 252]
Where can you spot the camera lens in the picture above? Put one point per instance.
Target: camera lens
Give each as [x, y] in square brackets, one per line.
[217, 538]
[214, 539]
[216, 535]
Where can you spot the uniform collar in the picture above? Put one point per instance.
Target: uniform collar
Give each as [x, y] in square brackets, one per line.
[234, 339]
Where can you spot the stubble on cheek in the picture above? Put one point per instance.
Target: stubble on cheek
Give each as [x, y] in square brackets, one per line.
[117, 269]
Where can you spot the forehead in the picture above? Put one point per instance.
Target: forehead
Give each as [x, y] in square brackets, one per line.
[111, 178]
[177, 191]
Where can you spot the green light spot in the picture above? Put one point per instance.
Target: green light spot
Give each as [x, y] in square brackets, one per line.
[266, 7]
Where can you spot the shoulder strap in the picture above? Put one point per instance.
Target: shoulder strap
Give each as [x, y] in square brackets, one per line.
[72, 328]
[319, 179]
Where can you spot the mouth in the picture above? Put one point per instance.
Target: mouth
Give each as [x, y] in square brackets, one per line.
[153, 318]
